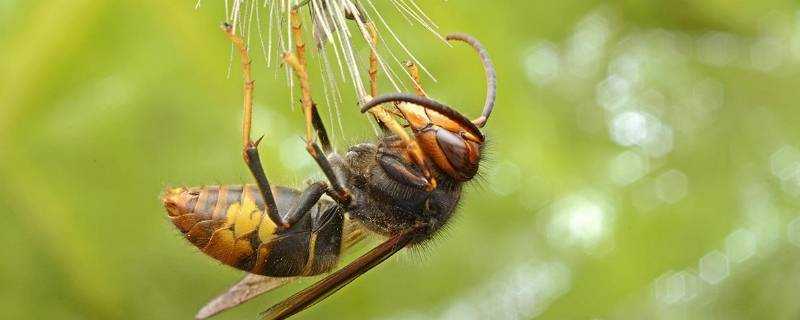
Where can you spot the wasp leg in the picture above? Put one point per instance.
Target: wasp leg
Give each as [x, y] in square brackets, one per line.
[373, 71]
[373, 60]
[413, 71]
[400, 172]
[297, 62]
[307, 200]
[413, 150]
[384, 117]
[253, 161]
[251, 157]
[339, 192]
[322, 134]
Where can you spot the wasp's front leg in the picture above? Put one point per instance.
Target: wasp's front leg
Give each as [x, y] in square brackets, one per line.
[384, 117]
[413, 71]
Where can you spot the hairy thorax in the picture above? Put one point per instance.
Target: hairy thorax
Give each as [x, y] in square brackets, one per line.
[388, 202]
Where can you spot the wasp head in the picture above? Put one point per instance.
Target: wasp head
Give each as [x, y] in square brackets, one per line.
[447, 138]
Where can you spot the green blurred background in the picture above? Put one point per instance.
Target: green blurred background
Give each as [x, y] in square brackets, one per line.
[645, 161]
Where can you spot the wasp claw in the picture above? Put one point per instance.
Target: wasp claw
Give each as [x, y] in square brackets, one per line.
[258, 141]
[227, 27]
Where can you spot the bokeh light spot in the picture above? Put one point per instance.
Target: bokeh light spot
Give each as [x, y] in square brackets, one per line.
[674, 287]
[627, 167]
[293, 155]
[671, 186]
[587, 44]
[541, 63]
[629, 128]
[613, 93]
[505, 178]
[740, 245]
[785, 165]
[767, 53]
[785, 162]
[717, 48]
[521, 292]
[580, 220]
[793, 232]
[714, 267]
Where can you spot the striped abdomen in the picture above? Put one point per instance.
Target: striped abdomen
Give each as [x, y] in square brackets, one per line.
[229, 224]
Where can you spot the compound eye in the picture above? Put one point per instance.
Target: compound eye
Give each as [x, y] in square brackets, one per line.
[458, 154]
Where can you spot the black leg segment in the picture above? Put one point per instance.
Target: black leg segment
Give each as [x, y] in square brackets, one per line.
[305, 202]
[316, 121]
[253, 161]
[340, 194]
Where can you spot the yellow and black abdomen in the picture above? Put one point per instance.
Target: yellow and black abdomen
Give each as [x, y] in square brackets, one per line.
[229, 223]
